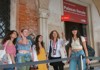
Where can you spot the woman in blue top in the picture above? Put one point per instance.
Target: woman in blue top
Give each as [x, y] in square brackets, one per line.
[24, 49]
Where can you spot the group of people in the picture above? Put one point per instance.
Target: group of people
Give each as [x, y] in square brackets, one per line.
[23, 47]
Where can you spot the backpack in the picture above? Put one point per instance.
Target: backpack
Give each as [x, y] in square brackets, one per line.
[91, 51]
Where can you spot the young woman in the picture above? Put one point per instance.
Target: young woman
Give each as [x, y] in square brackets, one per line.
[24, 49]
[56, 43]
[77, 44]
[41, 53]
[9, 44]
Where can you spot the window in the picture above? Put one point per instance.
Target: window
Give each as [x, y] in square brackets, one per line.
[4, 17]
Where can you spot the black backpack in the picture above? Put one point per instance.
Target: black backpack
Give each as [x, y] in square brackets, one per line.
[91, 51]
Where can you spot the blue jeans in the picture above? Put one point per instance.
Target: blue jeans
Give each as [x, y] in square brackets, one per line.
[8, 69]
[75, 61]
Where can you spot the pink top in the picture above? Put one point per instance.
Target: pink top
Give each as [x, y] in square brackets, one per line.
[10, 49]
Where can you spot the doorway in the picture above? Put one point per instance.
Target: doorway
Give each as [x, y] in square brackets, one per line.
[81, 27]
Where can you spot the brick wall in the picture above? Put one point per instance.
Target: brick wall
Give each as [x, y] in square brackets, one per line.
[27, 15]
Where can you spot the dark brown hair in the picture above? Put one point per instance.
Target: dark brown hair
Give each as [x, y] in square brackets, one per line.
[7, 37]
[51, 35]
[78, 35]
[37, 44]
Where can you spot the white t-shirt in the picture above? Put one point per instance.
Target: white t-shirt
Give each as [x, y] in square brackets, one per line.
[76, 43]
[58, 45]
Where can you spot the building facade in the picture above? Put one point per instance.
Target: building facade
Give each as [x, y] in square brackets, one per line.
[43, 16]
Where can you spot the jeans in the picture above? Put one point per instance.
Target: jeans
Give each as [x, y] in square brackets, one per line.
[75, 61]
[22, 58]
[8, 69]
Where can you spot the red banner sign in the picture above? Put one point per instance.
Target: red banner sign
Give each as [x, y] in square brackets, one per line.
[74, 12]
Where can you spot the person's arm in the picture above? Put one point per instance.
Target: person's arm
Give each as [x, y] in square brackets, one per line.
[63, 40]
[86, 52]
[69, 52]
[46, 54]
[85, 49]
[12, 58]
[63, 36]
[48, 48]
[23, 41]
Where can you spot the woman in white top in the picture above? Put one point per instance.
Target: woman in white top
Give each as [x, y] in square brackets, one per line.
[55, 44]
[77, 44]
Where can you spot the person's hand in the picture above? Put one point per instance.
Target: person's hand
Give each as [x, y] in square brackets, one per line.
[21, 34]
[68, 61]
[5, 62]
[63, 34]
[88, 61]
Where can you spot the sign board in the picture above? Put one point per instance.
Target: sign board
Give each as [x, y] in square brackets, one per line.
[74, 12]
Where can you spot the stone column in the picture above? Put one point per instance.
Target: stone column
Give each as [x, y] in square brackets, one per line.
[13, 8]
[43, 24]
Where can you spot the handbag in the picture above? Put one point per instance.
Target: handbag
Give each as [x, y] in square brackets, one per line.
[63, 53]
[50, 50]
[2, 54]
[5, 57]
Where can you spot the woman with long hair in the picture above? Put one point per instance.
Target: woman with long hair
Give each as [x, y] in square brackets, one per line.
[77, 47]
[9, 43]
[24, 49]
[55, 44]
[41, 53]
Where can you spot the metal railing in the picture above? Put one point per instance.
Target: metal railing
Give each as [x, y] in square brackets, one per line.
[46, 61]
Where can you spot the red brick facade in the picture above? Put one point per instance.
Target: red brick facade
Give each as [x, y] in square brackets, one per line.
[27, 16]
